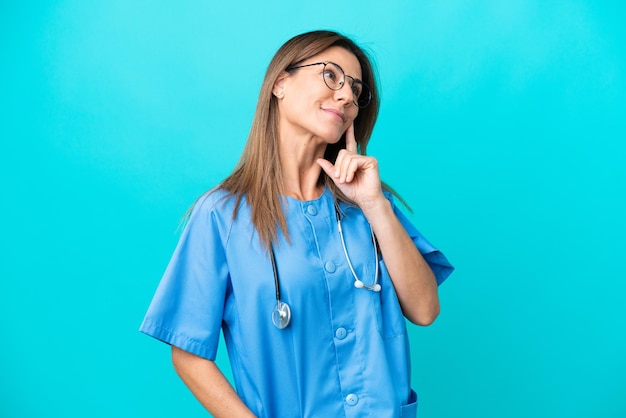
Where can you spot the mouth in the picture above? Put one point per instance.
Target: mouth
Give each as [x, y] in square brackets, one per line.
[338, 114]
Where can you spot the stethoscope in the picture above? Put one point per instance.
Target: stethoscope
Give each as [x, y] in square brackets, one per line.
[281, 314]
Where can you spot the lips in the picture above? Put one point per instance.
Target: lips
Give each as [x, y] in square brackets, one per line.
[336, 113]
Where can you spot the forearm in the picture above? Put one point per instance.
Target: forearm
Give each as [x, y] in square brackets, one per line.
[208, 384]
[413, 280]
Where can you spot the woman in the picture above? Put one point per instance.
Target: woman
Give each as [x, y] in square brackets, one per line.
[301, 257]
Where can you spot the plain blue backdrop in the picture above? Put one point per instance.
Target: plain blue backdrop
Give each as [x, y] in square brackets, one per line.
[503, 124]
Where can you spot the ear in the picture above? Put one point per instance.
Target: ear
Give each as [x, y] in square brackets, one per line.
[279, 86]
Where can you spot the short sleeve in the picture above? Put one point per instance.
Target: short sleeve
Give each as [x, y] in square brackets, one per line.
[438, 262]
[188, 306]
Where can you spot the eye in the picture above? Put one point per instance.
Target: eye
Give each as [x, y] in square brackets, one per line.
[357, 89]
[330, 75]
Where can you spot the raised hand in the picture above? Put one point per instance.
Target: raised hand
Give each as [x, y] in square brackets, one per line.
[356, 175]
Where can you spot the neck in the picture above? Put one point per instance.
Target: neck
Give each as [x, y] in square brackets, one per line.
[299, 169]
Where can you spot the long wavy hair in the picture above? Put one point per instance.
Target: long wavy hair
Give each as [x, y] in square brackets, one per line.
[257, 178]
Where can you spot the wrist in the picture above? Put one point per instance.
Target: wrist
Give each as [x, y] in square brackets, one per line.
[375, 207]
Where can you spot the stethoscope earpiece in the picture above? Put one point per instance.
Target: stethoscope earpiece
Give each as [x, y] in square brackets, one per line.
[360, 285]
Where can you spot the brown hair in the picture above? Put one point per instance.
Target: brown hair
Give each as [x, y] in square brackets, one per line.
[257, 178]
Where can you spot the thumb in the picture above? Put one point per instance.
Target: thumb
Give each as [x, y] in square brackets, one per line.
[327, 166]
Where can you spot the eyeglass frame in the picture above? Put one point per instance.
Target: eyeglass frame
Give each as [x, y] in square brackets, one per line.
[369, 91]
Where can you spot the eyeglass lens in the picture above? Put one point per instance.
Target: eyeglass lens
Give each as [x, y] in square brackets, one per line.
[334, 77]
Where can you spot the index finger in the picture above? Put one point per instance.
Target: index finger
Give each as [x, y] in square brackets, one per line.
[350, 139]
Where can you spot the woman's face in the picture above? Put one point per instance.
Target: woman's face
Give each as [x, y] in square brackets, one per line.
[308, 106]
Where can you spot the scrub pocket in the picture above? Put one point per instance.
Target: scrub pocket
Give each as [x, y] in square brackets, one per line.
[410, 409]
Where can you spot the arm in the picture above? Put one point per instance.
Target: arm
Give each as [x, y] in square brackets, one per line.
[412, 278]
[358, 178]
[208, 385]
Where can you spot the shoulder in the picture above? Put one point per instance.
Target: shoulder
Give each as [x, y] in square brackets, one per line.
[212, 211]
[216, 201]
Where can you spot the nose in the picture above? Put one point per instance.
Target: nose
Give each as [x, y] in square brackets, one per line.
[344, 94]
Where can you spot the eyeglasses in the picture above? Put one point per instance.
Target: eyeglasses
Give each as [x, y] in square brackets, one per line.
[335, 78]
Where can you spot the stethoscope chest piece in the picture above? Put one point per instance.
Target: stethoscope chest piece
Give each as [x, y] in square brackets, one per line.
[281, 315]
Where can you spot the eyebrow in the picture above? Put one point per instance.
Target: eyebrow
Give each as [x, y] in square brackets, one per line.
[344, 71]
[300, 64]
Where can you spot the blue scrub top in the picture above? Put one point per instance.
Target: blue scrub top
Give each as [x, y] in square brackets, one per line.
[346, 351]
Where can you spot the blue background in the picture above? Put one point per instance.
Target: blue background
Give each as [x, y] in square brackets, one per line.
[503, 124]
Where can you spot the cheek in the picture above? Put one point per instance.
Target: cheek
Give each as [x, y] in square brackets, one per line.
[352, 113]
[302, 101]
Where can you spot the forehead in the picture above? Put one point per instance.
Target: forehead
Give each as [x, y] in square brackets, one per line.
[346, 60]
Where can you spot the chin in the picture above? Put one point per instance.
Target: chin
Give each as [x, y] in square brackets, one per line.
[328, 133]
[334, 139]
[331, 137]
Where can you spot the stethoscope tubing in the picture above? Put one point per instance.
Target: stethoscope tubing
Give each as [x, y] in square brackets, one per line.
[281, 314]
